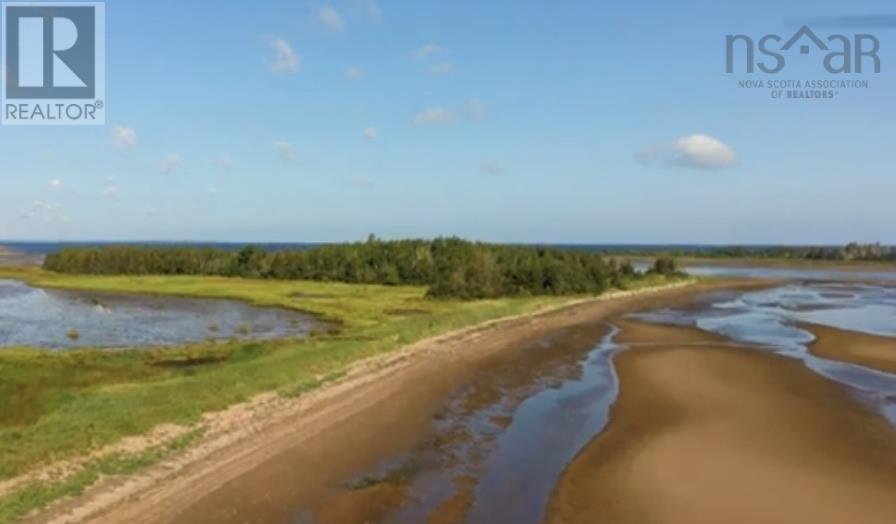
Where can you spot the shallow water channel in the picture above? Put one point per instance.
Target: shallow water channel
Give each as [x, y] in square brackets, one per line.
[504, 439]
[57, 319]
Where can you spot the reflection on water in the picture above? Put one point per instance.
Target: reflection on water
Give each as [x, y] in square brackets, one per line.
[768, 319]
[548, 429]
[43, 318]
[514, 448]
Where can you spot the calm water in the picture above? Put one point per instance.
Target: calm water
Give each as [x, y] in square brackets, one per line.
[789, 273]
[548, 419]
[547, 431]
[43, 318]
[44, 248]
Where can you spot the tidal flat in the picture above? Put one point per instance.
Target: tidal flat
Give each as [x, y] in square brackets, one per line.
[518, 418]
[671, 384]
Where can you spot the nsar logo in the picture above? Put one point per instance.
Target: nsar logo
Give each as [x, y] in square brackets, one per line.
[842, 55]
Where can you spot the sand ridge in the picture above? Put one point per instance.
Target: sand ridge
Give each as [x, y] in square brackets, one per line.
[704, 433]
[850, 346]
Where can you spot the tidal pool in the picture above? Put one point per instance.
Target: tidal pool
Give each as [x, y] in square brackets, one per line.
[57, 320]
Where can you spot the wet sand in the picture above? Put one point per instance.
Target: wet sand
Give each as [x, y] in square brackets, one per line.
[327, 479]
[849, 346]
[705, 432]
[263, 463]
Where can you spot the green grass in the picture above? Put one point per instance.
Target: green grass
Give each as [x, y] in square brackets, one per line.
[37, 495]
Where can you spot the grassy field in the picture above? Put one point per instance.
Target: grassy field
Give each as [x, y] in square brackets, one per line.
[58, 405]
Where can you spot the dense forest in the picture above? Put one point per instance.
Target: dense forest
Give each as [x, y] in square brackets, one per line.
[851, 251]
[450, 267]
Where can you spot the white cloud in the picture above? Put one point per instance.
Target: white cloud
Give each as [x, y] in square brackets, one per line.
[362, 181]
[475, 109]
[427, 50]
[472, 110]
[124, 137]
[330, 18]
[171, 163]
[372, 10]
[55, 184]
[285, 59]
[492, 167]
[354, 73]
[286, 151]
[695, 151]
[371, 133]
[223, 162]
[435, 116]
[442, 68]
[45, 212]
[212, 190]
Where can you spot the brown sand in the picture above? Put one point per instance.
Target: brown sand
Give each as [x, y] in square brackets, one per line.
[850, 346]
[703, 433]
[258, 462]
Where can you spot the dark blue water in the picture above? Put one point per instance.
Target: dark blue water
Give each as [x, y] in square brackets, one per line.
[44, 247]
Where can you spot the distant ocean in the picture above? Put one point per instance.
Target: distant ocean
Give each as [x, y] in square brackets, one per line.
[44, 248]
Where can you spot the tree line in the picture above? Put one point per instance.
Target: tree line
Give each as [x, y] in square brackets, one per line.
[450, 267]
[852, 251]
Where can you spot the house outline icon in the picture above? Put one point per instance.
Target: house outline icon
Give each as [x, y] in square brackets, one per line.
[804, 49]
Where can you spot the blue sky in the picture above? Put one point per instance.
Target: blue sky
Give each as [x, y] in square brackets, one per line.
[507, 121]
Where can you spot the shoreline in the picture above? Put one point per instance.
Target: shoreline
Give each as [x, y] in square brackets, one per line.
[778, 263]
[704, 432]
[245, 436]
